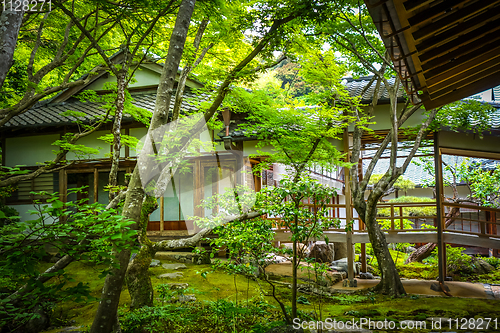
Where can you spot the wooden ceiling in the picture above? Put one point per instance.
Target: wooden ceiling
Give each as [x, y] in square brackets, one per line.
[444, 50]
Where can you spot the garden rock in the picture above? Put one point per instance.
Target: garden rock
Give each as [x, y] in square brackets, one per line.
[72, 329]
[366, 276]
[347, 283]
[341, 266]
[301, 248]
[177, 286]
[171, 275]
[285, 329]
[322, 252]
[154, 263]
[186, 298]
[481, 266]
[410, 249]
[274, 259]
[201, 259]
[174, 266]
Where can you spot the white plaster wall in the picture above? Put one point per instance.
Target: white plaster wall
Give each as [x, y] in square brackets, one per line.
[144, 77]
[93, 142]
[30, 150]
[382, 118]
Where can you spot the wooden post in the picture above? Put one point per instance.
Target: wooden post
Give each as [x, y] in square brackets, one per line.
[198, 188]
[96, 185]
[63, 185]
[439, 209]
[127, 148]
[162, 212]
[348, 213]
[362, 224]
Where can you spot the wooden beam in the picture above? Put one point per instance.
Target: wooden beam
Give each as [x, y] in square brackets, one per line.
[463, 84]
[465, 76]
[453, 19]
[432, 12]
[467, 61]
[476, 42]
[412, 5]
[470, 153]
[483, 84]
[458, 30]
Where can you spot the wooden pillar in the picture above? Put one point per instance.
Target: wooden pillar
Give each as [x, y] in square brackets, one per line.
[127, 148]
[439, 209]
[162, 212]
[63, 185]
[361, 223]
[198, 189]
[96, 185]
[348, 213]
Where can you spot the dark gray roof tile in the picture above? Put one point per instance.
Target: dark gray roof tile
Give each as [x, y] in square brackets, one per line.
[50, 114]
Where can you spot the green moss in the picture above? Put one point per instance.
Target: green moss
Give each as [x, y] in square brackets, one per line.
[220, 286]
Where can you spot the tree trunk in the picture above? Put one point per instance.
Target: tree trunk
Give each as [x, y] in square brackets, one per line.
[106, 320]
[421, 253]
[121, 81]
[426, 250]
[138, 280]
[106, 316]
[10, 23]
[390, 283]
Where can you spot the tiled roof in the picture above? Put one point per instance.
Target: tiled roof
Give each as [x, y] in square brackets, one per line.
[419, 176]
[356, 86]
[50, 114]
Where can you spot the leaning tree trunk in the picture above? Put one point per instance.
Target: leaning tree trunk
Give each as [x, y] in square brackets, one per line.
[426, 250]
[138, 280]
[106, 320]
[390, 283]
[10, 23]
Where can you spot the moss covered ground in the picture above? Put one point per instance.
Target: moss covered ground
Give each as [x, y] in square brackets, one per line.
[219, 286]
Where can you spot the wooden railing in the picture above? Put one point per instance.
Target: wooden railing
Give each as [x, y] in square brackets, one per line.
[473, 220]
[397, 213]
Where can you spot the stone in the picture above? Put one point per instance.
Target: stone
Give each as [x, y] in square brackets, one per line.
[285, 329]
[341, 266]
[410, 249]
[171, 275]
[72, 329]
[366, 276]
[201, 259]
[347, 283]
[187, 298]
[285, 270]
[272, 258]
[174, 266]
[177, 286]
[301, 248]
[322, 252]
[341, 250]
[155, 263]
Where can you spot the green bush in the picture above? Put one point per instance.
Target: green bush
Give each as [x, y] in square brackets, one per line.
[216, 316]
[493, 261]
